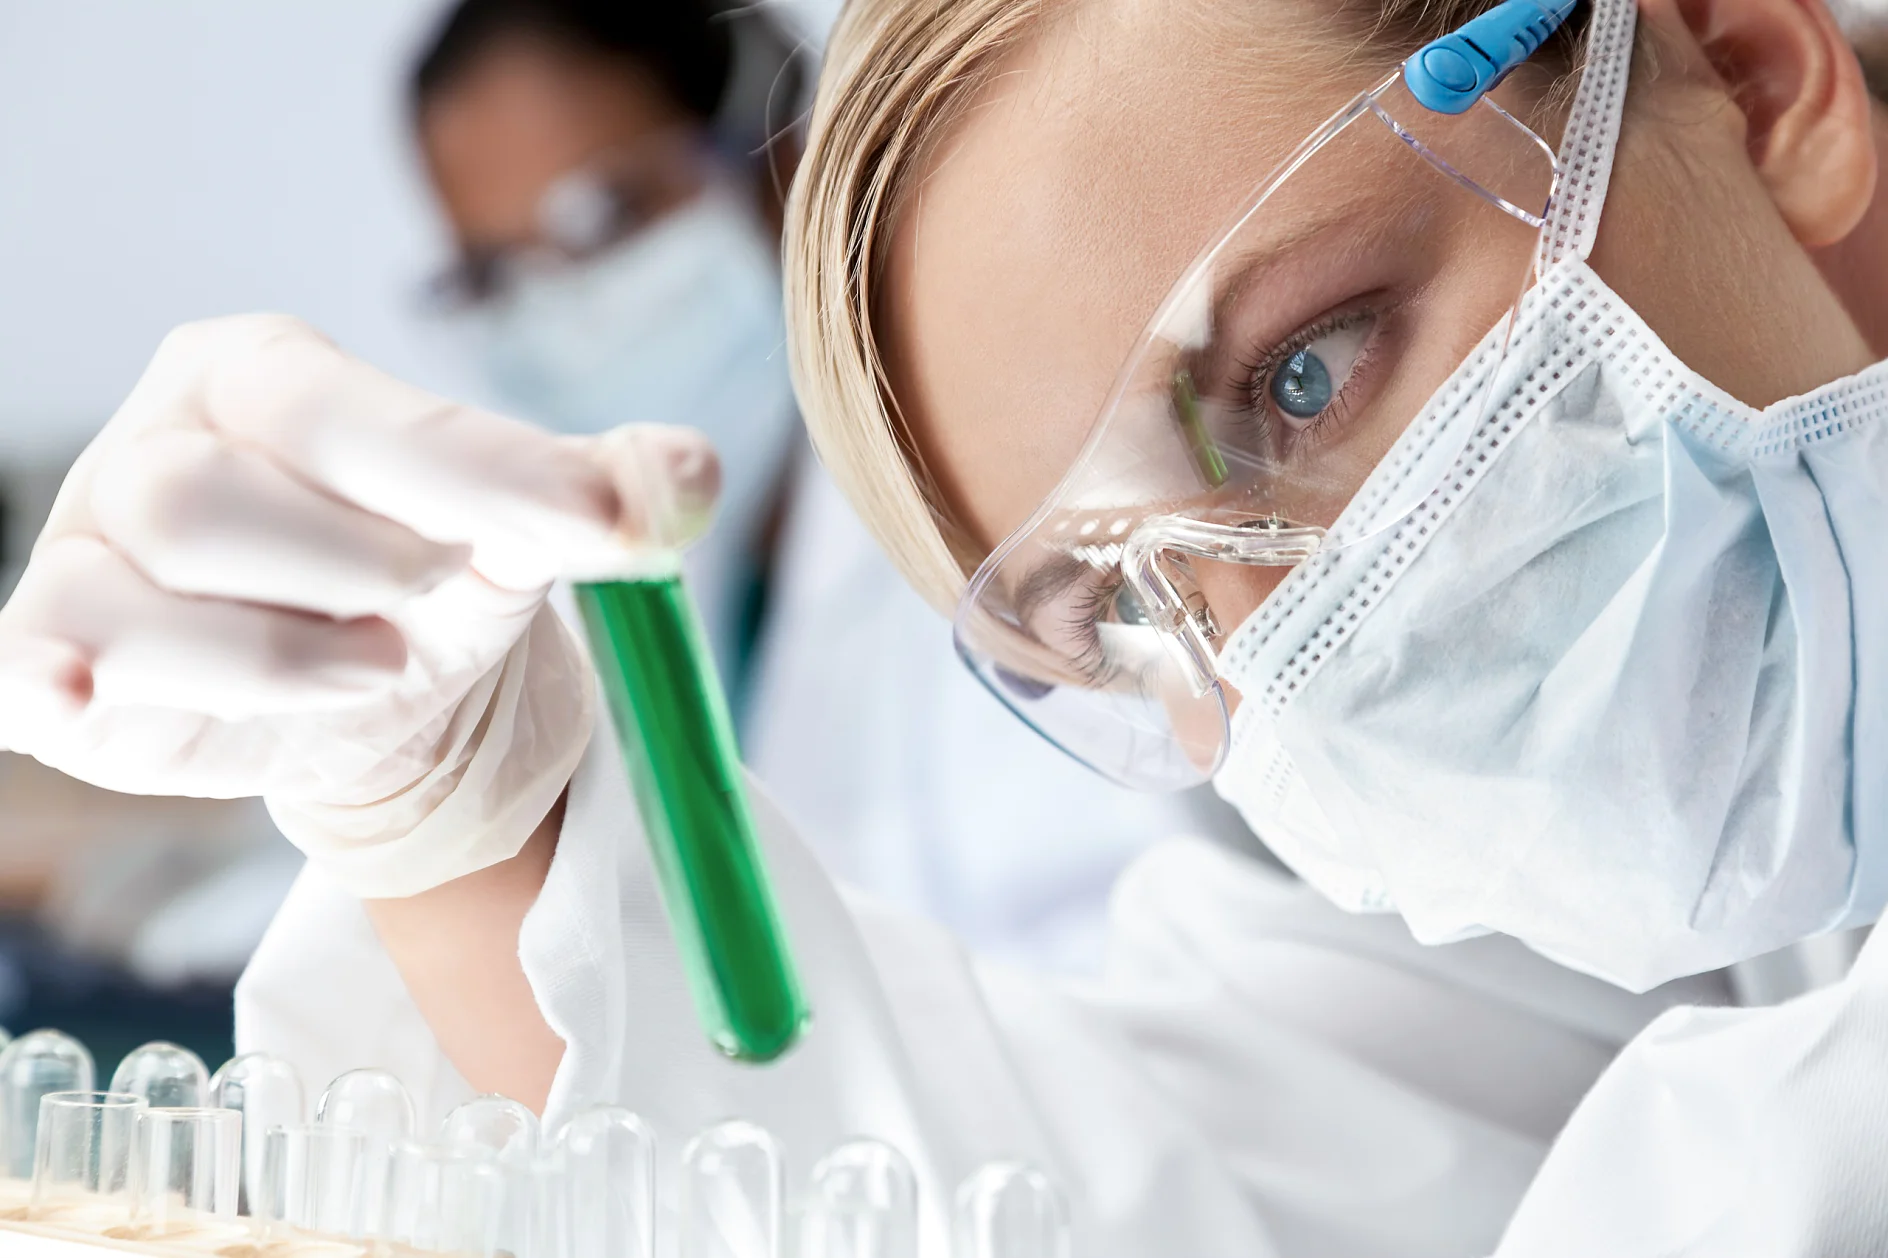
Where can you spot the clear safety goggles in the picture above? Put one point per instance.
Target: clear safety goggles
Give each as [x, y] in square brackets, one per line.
[1274, 376]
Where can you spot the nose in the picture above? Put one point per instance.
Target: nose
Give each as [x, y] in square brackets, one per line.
[1233, 592]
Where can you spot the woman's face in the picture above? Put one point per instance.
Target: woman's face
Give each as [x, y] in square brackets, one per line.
[1108, 150]
[528, 114]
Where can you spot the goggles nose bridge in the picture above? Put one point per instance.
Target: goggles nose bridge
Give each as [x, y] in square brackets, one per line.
[1183, 620]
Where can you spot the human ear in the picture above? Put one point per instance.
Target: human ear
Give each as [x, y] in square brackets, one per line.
[1790, 72]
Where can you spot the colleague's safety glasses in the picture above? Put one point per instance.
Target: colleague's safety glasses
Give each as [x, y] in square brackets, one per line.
[583, 213]
[1247, 430]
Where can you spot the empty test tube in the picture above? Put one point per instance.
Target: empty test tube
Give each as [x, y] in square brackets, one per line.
[508, 1132]
[82, 1156]
[413, 1201]
[609, 1162]
[325, 1179]
[186, 1169]
[731, 1194]
[476, 1198]
[542, 1210]
[35, 1064]
[164, 1074]
[450, 1201]
[267, 1092]
[370, 1101]
[671, 718]
[1011, 1210]
[863, 1204]
[375, 1105]
[496, 1124]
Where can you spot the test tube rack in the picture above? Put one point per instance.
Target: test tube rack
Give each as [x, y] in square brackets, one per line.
[170, 1161]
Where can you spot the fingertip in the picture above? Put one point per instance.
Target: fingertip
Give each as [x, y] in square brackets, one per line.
[695, 474]
[257, 330]
[43, 681]
[261, 372]
[667, 479]
[688, 455]
[204, 341]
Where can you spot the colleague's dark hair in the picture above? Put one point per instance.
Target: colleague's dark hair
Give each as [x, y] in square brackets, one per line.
[684, 44]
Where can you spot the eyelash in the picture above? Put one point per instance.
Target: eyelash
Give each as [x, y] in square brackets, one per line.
[1085, 614]
[1255, 377]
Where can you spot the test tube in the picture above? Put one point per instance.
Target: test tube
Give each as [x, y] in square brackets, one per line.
[501, 1127]
[609, 1158]
[413, 1188]
[375, 1105]
[494, 1123]
[371, 1101]
[671, 718]
[82, 1157]
[164, 1074]
[267, 1092]
[863, 1204]
[186, 1169]
[323, 1178]
[475, 1200]
[544, 1207]
[731, 1194]
[1011, 1210]
[37, 1063]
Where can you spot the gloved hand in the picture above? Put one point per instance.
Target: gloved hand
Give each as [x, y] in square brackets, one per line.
[279, 572]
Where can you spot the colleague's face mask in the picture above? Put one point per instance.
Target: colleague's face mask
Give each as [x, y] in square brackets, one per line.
[1577, 659]
[1611, 687]
[680, 323]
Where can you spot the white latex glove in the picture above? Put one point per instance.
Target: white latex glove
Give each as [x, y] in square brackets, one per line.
[279, 572]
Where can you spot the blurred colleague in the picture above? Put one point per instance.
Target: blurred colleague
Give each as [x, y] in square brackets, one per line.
[614, 256]
[611, 182]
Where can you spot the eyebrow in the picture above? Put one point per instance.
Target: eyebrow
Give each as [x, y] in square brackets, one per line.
[1254, 273]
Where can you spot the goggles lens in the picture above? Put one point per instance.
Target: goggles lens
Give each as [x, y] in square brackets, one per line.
[1275, 375]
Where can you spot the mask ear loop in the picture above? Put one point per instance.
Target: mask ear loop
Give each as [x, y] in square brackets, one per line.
[1446, 444]
[1580, 174]
[1591, 139]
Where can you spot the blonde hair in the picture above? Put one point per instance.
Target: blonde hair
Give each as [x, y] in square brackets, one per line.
[896, 72]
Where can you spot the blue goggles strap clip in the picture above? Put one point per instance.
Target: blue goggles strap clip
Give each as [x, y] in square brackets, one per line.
[1450, 74]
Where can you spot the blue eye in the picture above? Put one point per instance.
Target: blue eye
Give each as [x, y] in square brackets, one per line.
[1302, 385]
[1128, 609]
[1306, 383]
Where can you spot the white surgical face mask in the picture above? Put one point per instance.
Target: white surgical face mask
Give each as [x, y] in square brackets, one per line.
[678, 324]
[1617, 687]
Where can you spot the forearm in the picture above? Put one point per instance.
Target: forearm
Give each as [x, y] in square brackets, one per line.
[456, 947]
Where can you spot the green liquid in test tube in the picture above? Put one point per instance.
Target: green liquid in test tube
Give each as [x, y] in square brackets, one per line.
[672, 720]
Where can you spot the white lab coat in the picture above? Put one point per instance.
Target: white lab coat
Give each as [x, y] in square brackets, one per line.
[1259, 1074]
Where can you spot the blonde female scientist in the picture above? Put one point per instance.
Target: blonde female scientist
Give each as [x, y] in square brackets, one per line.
[1449, 427]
